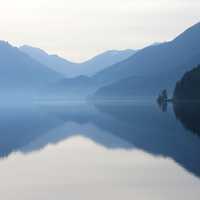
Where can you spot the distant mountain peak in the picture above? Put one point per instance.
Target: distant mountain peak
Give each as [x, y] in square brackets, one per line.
[160, 65]
[5, 44]
[29, 48]
[191, 33]
[70, 69]
[19, 72]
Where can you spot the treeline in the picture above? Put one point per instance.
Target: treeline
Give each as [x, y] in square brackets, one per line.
[188, 88]
[186, 100]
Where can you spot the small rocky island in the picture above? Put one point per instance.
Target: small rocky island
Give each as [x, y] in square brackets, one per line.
[163, 97]
[162, 100]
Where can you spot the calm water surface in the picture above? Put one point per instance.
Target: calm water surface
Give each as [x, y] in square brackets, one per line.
[114, 151]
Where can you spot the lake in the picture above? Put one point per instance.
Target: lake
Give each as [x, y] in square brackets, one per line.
[112, 150]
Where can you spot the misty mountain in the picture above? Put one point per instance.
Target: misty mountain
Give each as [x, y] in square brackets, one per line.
[70, 69]
[19, 72]
[52, 61]
[127, 88]
[157, 66]
[77, 88]
[104, 60]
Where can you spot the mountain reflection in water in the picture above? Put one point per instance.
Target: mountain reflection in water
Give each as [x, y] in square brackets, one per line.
[139, 125]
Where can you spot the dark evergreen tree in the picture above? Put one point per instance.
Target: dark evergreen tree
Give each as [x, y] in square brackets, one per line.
[188, 88]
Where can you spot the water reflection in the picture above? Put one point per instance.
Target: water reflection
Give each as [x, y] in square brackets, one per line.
[163, 105]
[155, 132]
[125, 126]
[79, 168]
[189, 115]
[21, 125]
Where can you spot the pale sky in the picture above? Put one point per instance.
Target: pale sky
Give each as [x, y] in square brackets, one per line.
[80, 29]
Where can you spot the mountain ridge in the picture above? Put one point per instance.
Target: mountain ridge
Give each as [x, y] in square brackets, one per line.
[20, 72]
[162, 64]
[72, 69]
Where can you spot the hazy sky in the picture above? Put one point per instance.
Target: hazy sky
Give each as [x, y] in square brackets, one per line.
[79, 29]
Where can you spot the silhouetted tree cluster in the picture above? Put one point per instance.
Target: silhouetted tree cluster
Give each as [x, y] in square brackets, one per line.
[187, 100]
[188, 88]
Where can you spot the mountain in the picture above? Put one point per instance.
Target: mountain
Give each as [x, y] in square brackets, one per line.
[52, 61]
[127, 88]
[77, 88]
[104, 60]
[19, 72]
[70, 69]
[157, 66]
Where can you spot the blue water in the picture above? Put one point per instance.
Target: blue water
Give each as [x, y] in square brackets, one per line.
[113, 150]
